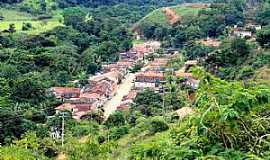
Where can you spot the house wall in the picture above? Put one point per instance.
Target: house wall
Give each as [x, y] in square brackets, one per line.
[144, 85]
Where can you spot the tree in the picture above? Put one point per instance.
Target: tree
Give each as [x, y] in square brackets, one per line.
[263, 15]
[28, 89]
[263, 37]
[158, 124]
[148, 103]
[116, 119]
[74, 16]
[4, 94]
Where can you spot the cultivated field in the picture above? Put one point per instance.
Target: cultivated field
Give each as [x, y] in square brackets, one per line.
[18, 18]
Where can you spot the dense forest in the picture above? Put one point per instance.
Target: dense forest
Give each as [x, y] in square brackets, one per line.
[230, 108]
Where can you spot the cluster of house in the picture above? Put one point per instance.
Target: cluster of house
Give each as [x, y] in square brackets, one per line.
[151, 76]
[103, 86]
[248, 31]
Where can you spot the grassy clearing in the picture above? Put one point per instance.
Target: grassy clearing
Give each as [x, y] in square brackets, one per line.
[18, 18]
[157, 17]
[12, 15]
[185, 11]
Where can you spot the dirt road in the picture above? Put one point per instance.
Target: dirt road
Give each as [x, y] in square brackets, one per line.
[171, 15]
[123, 89]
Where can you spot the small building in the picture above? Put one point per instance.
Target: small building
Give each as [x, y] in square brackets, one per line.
[114, 76]
[254, 26]
[130, 55]
[94, 99]
[104, 87]
[65, 92]
[193, 83]
[188, 79]
[149, 80]
[241, 33]
[77, 110]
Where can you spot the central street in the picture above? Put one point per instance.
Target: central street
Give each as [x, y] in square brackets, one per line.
[111, 105]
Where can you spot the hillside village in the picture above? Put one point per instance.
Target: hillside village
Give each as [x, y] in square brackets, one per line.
[104, 86]
[134, 80]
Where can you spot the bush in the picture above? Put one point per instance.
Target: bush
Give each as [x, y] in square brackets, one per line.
[117, 132]
[246, 72]
[85, 128]
[158, 124]
[116, 119]
[142, 124]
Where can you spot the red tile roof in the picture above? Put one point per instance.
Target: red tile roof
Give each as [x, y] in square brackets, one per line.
[63, 90]
[150, 76]
[90, 95]
[123, 106]
[131, 95]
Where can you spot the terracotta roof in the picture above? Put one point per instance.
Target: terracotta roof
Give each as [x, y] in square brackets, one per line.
[123, 106]
[78, 115]
[114, 76]
[90, 95]
[150, 74]
[78, 107]
[131, 95]
[124, 63]
[63, 90]
[83, 107]
[65, 106]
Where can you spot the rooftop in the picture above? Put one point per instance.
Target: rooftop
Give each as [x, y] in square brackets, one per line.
[150, 74]
[63, 90]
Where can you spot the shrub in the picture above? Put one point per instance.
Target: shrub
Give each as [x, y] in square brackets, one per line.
[158, 124]
[118, 132]
[116, 119]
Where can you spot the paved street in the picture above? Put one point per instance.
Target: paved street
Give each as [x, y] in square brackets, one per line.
[123, 89]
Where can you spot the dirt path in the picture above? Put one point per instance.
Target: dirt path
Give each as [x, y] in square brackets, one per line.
[61, 156]
[123, 89]
[171, 15]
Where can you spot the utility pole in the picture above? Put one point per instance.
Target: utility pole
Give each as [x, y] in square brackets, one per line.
[63, 129]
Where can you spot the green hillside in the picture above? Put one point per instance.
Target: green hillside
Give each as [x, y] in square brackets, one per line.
[159, 17]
